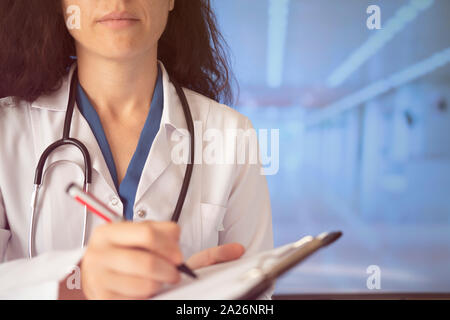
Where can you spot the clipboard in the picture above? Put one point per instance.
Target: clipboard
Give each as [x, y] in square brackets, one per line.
[298, 252]
[247, 278]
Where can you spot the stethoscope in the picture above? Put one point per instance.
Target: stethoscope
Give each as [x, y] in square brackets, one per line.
[68, 141]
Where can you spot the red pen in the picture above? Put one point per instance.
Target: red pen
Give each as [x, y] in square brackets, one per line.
[103, 211]
[93, 204]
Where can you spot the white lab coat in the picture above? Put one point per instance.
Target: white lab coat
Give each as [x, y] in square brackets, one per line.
[225, 203]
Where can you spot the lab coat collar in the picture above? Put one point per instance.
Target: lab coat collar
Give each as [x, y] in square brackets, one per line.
[172, 120]
[172, 116]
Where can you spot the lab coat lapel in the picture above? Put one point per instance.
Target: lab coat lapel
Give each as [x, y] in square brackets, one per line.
[156, 163]
[159, 158]
[83, 132]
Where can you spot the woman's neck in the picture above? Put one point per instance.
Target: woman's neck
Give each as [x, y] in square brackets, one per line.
[118, 87]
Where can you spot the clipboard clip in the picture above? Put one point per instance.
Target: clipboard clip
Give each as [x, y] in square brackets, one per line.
[260, 271]
[284, 259]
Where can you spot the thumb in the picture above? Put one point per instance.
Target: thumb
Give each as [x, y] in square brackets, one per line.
[214, 255]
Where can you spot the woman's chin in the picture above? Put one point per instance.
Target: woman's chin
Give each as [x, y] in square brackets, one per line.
[120, 53]
[119, 44]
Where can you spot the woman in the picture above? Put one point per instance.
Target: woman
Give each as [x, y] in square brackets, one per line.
[129, 116]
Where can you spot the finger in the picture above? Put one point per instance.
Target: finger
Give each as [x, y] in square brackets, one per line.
[129, 287]
[223, 253]
[158, 237]
[140, 263]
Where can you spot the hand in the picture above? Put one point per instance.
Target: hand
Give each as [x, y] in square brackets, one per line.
[214, 255]
[130, 260]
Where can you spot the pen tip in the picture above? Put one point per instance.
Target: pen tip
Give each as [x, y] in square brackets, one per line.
[185, 269]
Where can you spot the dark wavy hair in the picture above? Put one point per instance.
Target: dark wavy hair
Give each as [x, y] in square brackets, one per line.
[36, 50]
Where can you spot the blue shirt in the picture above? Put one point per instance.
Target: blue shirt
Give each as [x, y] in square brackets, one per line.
[128, 187]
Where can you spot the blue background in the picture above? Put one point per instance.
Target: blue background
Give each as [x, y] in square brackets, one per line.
[364, 121]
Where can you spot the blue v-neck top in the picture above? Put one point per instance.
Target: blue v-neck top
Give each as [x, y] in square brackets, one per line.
[128, 187]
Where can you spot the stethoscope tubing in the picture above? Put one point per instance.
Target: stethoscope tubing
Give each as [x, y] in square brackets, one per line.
[190, 165]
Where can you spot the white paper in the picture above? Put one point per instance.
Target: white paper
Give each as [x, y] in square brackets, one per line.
[225, 281]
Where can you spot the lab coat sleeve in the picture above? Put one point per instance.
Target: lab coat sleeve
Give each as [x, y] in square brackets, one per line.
[36, 278]
[248, 219]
